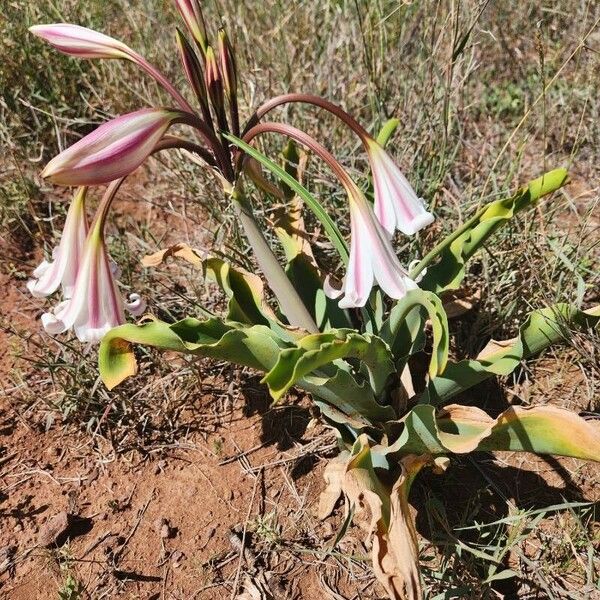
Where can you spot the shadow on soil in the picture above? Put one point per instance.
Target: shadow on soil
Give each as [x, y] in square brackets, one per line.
[282, 425]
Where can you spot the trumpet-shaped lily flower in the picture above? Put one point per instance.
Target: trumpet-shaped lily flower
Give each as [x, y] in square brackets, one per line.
[397, 206]
[96, 305]
[372, 258]
[66, 257]
[113, 150]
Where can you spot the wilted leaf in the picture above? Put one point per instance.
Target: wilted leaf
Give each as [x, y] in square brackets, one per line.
[334, 474]
[178, 250]
[246, 293]
[384, 514]
[458, 303]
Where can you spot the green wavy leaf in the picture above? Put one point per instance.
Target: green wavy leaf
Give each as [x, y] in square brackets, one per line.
[403, 330]
[541, 329]
[460, 429]
[315, 351]
[345, 402]
[257, 346]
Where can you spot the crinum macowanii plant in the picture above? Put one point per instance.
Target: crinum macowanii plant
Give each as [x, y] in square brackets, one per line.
[351, 354]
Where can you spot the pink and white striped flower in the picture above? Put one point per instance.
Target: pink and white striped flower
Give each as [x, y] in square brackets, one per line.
[397, 206]
[82, 42]
[372, 258]
[113, 150]
[96, 305]
[66, 257]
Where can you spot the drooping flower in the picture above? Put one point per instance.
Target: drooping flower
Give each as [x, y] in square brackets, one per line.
[397, 206]
[96, 305]
[66, 257]
[113, 150]
[372, 258]
[81, 42]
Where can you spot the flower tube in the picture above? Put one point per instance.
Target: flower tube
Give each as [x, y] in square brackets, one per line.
[81, 42]
[66, 257]
[96, 305]
[397, 206]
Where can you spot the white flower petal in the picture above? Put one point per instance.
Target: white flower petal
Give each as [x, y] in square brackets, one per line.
[396, 203]
[330, 291]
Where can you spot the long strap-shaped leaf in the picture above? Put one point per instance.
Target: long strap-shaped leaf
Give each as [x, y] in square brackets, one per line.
[460, 429]
[341, 399]
[257, 346]
[330, 227]
[541, 329]
[454, 250]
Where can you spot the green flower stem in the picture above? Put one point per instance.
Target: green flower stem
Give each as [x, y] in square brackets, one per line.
[289, 299]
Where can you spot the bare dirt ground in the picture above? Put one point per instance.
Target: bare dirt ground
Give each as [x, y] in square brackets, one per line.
[226, 506]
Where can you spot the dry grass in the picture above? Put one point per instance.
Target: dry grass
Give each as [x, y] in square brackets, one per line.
[488, 94]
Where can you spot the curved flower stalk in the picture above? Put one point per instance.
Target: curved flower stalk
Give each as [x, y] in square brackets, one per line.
[95, 306]
[397, 206]
[114, 149]
[372, 257]
[66, 257]
[82, 42]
